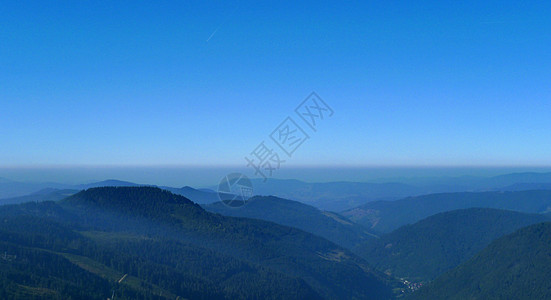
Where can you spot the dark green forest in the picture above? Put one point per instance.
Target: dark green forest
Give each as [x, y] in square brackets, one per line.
[516, 266]
[164, 246]
[148, 243]
[422, 251]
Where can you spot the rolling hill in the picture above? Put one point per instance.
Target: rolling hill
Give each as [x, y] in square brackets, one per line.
[105, 183]
[516, 266]
[386, 216]
[12, 189]
[422, 251]
[198, 196]
[203, 196]
[49, 194]
[343, 195]
[333, 196]
[169, 246]
[326, 224]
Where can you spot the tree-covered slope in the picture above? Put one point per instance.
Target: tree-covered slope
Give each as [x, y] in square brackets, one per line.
[386, 216]
[28, 273]
[430, 247]
[326, 224]
[170, 246]
[516, 266]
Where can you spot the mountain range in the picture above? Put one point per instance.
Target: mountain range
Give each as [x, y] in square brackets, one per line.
[326, 224]
[48, 194]
[332, 196]
[385, 216]
[137, 241]
[145, 242]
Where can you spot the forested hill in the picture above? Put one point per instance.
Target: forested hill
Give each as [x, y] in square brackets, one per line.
[516, 266]
[426, 249]
[299, 215]
[386, 216]
[169, 246]
[151, 202]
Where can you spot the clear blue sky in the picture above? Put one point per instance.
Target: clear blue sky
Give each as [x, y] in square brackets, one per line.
[202, 83]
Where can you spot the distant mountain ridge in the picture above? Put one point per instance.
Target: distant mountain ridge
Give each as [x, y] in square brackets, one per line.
[523, 186]
[326, 224]
[386, 216]
[200, 196]
[47, 194]
[343, 195]
[107, 183]
[332, 196]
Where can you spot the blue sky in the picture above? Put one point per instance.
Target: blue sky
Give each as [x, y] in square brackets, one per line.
[422, 83]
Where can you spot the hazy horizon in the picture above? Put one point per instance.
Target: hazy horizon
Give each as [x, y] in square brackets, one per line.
[178, 176]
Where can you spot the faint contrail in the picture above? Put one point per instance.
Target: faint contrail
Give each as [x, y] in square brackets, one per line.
[224, 22]
[214, 32]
